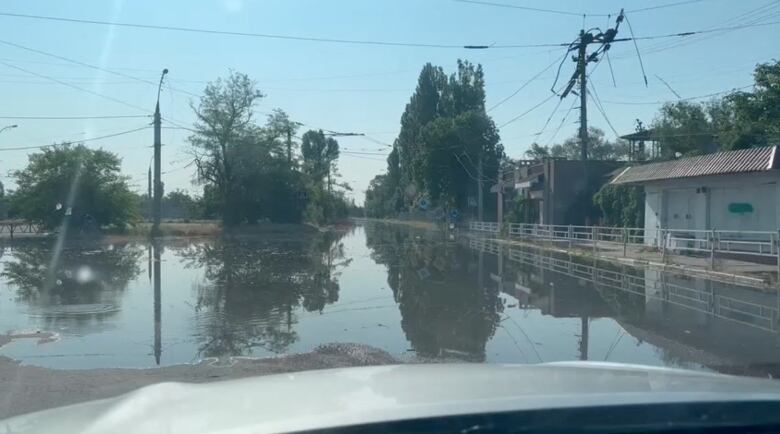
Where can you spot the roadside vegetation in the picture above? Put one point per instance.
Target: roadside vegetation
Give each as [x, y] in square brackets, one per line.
[446, 133]
[249, 172]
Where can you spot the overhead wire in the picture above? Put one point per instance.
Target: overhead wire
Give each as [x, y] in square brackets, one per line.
[572, 13]
[563, 121]
[235, 33]
[89, 139]
[636, 47]
[75, 117]
[527, 8]
[600, 108]
[95, 67]
[361, 42]
[549, 118]
[663, 6]
[73, 86]
[747, 19]
[523, 114]
[523, 86]
[681, 99]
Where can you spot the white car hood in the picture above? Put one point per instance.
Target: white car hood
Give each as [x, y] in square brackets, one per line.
[340, 397]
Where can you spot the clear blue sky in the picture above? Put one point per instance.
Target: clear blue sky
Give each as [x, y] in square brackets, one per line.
[356, 88]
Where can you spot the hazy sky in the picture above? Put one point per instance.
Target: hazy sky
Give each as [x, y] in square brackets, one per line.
[347, 87]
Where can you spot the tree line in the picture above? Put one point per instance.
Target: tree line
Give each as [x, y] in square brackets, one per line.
[248, 171]
[447, 149]
[739, 120]
[446, 136]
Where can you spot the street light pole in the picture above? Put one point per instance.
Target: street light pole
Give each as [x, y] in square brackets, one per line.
[158, 187]
[8, 127]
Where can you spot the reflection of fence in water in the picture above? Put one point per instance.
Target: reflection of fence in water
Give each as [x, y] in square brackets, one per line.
[705, 301]
[12, 227]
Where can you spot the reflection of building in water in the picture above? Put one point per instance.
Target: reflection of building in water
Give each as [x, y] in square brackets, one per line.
[733, 326]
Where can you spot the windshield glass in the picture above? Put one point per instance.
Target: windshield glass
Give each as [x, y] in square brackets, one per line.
[202, 191]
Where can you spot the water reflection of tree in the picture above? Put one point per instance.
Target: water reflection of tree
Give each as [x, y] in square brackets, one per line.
[84, 275]
[251, 288]
[445, 310]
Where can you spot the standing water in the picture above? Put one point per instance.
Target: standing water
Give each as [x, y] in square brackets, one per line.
[413, 293]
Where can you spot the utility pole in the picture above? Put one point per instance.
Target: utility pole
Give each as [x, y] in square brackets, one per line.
[480, 211]
[580, 75]
[289, 144]
[500, 198]
[158, 186]
[149, 193]
[583, 78]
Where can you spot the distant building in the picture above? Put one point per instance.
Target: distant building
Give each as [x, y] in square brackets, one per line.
[733, 190]
[560, 192]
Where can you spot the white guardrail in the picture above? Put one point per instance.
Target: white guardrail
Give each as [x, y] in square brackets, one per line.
[678, 241]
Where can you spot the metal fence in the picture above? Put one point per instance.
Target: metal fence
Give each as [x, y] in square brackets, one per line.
[704, 243]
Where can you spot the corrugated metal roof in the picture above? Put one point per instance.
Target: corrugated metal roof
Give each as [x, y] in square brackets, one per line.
[720, 163]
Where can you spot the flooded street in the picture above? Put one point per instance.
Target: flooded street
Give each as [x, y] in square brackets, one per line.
[408, 291]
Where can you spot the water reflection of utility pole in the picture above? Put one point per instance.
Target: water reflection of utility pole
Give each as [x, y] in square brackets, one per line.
[480, 268]
[156, 247]
[584, 332]
[501, 270]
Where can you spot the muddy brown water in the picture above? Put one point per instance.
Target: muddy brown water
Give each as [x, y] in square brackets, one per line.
[418, 294]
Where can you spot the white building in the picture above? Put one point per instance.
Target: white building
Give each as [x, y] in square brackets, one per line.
[733, 190]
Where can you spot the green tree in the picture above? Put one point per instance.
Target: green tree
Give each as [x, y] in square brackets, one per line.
[537, 152]
[599, 148]
[684, 128]
[179, 204]
[77, 182]
[319, 154]
[621, 205]
[224, 126]
[750, 119]
[445, 136]
[281, 131]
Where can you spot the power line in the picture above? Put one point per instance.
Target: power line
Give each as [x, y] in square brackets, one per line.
[636, 47]
[667, 5]
[681, 99]
[365, 158]
[526, 83]
[527, 111]
[360, 42]
[527, 8]
[750, 18]
[73, 86]
[549, 118]
[363, 153]
[563, 121]
[90, 139]
[87, 65]
[75, 117]
[572, 13]
[600, 108]
[245, 34]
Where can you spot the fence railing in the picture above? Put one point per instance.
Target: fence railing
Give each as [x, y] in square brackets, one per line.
[705, 243]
